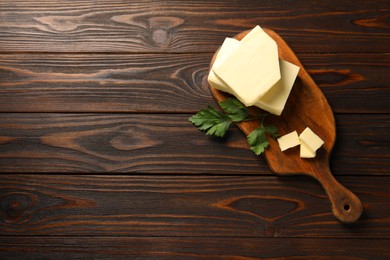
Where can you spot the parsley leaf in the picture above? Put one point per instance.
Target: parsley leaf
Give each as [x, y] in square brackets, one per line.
[257, 139]
[215, 122]
[272, 130]
[235, 109]
[211, 121]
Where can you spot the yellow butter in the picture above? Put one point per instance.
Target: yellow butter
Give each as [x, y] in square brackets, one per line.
[252, 68]
[275, 99]
[227, 47]
[288, 141]
[310, 139]
[306, 152]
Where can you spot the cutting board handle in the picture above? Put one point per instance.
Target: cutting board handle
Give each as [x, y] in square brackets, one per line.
[346, 206]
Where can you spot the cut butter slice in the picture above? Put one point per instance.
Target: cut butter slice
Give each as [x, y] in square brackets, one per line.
[227, 47]
[252, 68]
[252, 33]
[310, 139]
[288, 141]
[306, 152]
[275, 99]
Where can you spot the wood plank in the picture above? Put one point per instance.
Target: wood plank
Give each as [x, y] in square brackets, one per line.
[166, 143]
[168, 83]
[214, 206]
[164, 26]
[190, 248]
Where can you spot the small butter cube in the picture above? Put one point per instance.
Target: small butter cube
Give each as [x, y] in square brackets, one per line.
[275, 99]
[288, 141]
[306, 152]
[227, 47]
[252, 68]
[310, 139]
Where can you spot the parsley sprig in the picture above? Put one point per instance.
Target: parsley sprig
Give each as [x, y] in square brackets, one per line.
[211, 121]
[217, 123]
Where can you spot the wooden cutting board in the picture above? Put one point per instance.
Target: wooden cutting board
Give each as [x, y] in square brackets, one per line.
[306, 107]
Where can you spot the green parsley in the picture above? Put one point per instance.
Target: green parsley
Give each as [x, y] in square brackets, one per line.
[211, 121]
[258, 140]
[235, 109]
[215, 122]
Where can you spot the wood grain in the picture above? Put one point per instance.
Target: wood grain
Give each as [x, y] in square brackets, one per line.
[103, 83]
[93, 85]
[218, 206]
[175, 26]
[190, 248]
[145, 143]
[168, 83]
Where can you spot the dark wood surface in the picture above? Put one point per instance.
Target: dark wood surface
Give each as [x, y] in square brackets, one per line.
[98, 159]
[135, 82]
[181, 205]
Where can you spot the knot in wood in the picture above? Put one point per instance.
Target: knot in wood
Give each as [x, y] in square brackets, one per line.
[160, 36]
[13, 212]
[14, 207]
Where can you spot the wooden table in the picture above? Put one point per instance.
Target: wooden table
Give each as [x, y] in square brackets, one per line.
[98, 158]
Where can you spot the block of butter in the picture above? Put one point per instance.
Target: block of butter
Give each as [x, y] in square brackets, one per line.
[227, 47]
[273, 100]
[276, 98]
[252, 68]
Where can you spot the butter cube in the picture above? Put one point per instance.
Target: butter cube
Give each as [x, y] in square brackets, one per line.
[275, 99]
[306, 152]
[252, 68]
[288, 141]
[310, 139]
